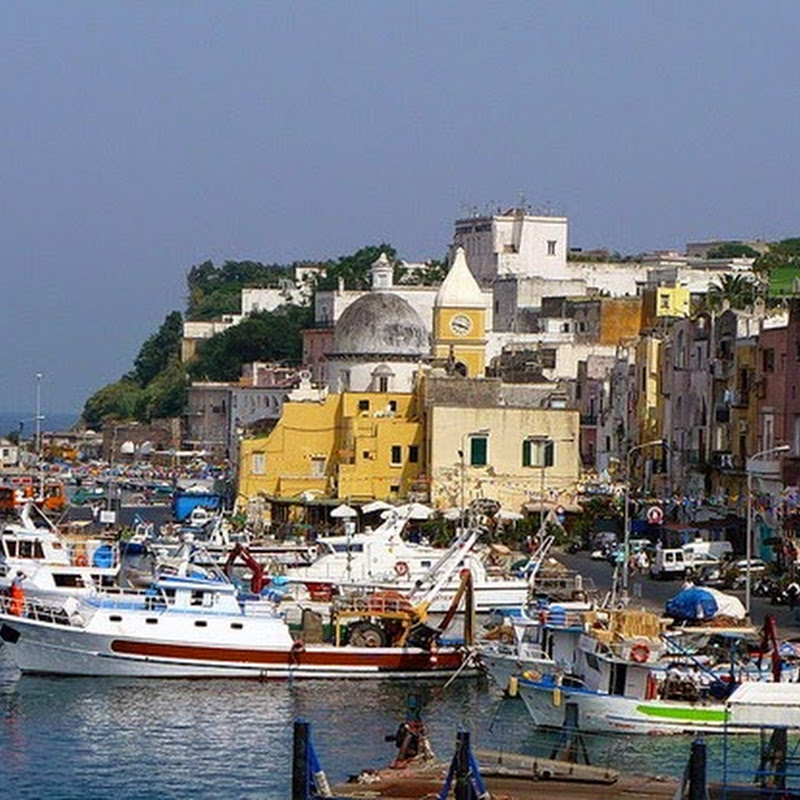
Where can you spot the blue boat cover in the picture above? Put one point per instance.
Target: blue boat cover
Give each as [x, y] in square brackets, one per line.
[692, 603]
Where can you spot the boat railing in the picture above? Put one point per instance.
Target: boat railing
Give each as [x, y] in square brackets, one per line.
[377, 603]
[38, 611]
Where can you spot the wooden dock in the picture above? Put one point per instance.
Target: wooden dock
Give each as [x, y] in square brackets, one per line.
[428, 784]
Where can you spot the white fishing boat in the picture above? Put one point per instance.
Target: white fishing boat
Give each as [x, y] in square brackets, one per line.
[49, 565]
[186, 627]
[647, 683]
[384, 558]
[540, 642]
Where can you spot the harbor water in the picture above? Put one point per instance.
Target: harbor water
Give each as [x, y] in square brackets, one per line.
[63, 738]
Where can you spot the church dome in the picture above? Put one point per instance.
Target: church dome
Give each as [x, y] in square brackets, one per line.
[380, 323]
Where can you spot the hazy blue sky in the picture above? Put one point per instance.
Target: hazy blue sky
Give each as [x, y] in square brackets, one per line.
[140, 138]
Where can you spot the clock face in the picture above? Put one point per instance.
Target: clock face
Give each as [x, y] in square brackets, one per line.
[461, 325]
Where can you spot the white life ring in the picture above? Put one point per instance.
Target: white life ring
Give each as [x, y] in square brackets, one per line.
[401, 568]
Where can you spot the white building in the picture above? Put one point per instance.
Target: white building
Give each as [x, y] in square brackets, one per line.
[514, 243]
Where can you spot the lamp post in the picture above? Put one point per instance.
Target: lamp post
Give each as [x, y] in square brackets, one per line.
[749, 543]
[626, 534]
[38, 434]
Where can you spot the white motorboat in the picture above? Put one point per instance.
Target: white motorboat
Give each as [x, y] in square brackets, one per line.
[383, 558]
[184, 627]
[49, 565]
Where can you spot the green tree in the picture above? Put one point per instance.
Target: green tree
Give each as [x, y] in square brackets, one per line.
[355, 269]
[735, 291]
[114, 401]
[431, 273]
[214, 291]
[265, 336]
[165, 395]
[733, 250]
[159, 350]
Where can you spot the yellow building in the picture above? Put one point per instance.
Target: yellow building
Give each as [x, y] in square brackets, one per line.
[351, 446]
[649, 407]
[459, 321]
[484, 443]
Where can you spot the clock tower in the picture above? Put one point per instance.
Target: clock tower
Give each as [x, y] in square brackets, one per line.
[459, 320]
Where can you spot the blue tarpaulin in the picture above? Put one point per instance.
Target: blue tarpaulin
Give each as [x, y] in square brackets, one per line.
[691, 603]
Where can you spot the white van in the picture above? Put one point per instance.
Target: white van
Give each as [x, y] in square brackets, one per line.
[669, 562]
[722, 550]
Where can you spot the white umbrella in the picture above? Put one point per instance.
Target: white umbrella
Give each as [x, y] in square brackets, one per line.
[408, 511]
[505, 513]
[376, 505]
[415, 511]
[344, 511]
[452, 514]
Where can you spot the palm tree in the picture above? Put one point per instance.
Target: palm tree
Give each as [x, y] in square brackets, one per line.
[735, 291]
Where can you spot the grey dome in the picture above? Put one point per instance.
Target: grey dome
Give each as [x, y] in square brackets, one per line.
[382, 324]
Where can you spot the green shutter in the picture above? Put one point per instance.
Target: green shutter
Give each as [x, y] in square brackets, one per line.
[549, 454]
[478, 447]
[526, 453]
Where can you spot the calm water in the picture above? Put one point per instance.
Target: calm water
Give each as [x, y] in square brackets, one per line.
[81, 738]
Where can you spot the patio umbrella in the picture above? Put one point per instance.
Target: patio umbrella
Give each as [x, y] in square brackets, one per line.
[344, 512]
[409, 511]
[376, 505]
[505, 513]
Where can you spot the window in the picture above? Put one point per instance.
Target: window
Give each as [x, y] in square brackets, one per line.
[551, 247]
[538, 453]
[768, 360]
[258, 464]
[317, 466]
[478, 451]
[397, 455]
[393, 405]
[363, 405]
[383, 384]
[413, 454]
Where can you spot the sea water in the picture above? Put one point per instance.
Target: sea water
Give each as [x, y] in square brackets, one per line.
[63, 738]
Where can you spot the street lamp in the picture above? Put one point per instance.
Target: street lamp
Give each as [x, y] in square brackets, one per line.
[38, 435]
[749, 543]
[461, 455]
[626, 534]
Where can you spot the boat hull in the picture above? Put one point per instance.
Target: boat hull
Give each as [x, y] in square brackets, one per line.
[601, 713]
[45, 648]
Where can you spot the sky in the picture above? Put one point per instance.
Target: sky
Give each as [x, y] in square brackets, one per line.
[141, 138]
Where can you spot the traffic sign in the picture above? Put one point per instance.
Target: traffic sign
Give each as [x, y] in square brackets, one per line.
[655, 516]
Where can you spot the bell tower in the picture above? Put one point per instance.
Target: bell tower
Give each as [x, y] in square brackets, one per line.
[459, 320]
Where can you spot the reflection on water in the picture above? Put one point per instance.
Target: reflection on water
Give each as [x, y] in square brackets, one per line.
[78, 738]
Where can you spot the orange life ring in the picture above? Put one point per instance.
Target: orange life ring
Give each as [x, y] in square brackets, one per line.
[81, 560]
[401, 568]
[640, 652]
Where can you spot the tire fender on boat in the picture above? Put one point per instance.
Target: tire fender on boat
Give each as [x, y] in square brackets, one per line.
[401, 568]
[298, 648]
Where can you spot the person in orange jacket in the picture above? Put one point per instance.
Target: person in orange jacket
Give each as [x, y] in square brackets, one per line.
[17, 602]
